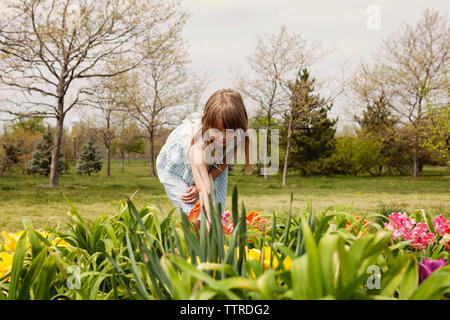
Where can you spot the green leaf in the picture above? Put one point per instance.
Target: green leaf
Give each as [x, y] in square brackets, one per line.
[315, 277]
[43, 285]
[32, 275]
[410, 280]
[327, 248]
[17, 267]
[435, 286]
[141, 289]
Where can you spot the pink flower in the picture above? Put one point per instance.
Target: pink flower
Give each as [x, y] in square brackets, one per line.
[420, 236]
[227, 222]
[400, 224]
[440, 224]
[405, 228]
[446, 238]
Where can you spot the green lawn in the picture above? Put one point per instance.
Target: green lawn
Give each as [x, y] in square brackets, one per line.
[27, 197]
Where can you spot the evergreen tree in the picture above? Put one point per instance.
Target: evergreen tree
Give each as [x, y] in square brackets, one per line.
[377, 121]
[308, 128]
[89, 160]
[42, 156]
[377, 118]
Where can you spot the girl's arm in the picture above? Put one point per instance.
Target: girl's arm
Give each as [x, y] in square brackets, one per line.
[215, 172]
[192, 192]
[200, 175]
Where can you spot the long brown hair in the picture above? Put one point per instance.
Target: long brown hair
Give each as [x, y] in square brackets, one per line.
[227, 106]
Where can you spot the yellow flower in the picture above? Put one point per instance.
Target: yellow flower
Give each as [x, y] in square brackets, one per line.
[359, 192]
[6, 261]
[189, 260]
[60, 242]
[10, 241]
[255, 254]
[56, 241]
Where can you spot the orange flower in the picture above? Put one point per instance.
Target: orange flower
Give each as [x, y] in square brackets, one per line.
[195, 212]
[446, 238]
[257, 223]
[227, 229]
[365, 226]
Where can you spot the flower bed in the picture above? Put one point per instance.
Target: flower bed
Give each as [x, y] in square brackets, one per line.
[145, 254]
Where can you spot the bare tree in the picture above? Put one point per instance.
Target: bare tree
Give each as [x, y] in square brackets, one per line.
[48, 48]
[410, 67]
[157, 94]
[128, 135]
[104, 124]
[277, 58]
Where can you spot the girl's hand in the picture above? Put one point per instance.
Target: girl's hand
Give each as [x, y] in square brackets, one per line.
[191, 195]
[198, 223]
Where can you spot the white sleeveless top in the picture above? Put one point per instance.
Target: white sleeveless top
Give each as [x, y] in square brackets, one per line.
[173, 160]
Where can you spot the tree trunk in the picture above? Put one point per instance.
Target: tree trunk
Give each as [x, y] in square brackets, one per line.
[416, 160]
[286, 157]
[417, 126]
[2, 172]
[122, 158]
[152, 155]
[266, 177]
[54, 178]
[107, 140]
[108, 161]
[75, 148]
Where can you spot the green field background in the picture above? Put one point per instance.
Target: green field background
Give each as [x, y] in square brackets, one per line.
[28, 197]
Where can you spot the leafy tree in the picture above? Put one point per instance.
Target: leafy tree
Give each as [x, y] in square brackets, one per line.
[10, 155]
[30, 124]
[378, 118]
[89, 160]
[410, 68]
[377, 121]
[27, 131]
[42, 157]
[436, 137]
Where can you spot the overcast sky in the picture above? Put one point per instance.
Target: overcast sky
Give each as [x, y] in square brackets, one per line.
[222, 33]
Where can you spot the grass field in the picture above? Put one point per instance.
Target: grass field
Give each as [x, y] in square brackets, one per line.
[27, 197]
